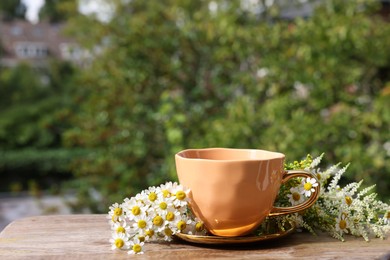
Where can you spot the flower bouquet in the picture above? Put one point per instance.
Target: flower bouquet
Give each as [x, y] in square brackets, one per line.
[158, 213]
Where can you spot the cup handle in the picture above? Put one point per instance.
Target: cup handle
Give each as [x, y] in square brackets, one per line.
[278, 211]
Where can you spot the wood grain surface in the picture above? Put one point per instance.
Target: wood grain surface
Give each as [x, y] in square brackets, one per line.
[87, 236]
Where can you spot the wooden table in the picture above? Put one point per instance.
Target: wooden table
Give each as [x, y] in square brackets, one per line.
[86, 237]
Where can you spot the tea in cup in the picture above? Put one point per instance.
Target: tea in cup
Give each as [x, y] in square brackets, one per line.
[233, 190]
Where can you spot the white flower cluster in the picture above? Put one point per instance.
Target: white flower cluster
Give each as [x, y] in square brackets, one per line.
[305, 188]
[355, 212]
[157, 213]
[340, 210]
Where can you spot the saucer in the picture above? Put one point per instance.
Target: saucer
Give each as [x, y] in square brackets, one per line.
[218, 240]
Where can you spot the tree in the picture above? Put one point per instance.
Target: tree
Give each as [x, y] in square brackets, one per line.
[10, 9]
[185, 74]
[58, 10]
[33, 116]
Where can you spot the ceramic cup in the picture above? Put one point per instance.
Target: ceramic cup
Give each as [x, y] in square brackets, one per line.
[233, 190]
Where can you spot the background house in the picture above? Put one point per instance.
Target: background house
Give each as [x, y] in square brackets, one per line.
[22, 41]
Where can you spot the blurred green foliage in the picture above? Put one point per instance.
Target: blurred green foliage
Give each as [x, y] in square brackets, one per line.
[57, 11]
[35, 109]
[11, 9]
[175, 74]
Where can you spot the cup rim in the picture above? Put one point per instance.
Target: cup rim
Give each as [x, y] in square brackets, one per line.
[275, 155]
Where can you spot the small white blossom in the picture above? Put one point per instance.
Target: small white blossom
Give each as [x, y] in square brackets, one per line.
[181, 196]
[168, 188]
[136, 246]
[120, 227]
[196, 227]
[135, 206]
[119, 241]
[163, 204]
[342, 223]
[308, 186]
[142, 223]
[116, 213]
[295, 197]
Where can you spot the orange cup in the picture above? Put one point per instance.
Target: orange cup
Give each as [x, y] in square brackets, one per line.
[233, 190]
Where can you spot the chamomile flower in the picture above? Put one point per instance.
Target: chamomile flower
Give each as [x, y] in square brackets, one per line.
[167, 188]
[141, 223]
[120, 227]
[163, 204]
[167, 185]
[308, 186]
[199, 228]
[136, 246]
[116, 213]
[172, 216]
[181, 196]
[151, 195]
[134, 207]
[193, 225]
[167, 234]
[119, 241]
[158, 223]
[149, 234]
[342, 223]
[183, 225]
[295, 197]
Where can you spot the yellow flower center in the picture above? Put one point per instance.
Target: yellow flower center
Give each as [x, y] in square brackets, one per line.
[343, 224]
[152, 196]
[136, 210]
[348, 200]
[137, 248]
[149, 232]
[166, 193]
[158, 221]
[296, 196]
[180, 195]
[181, 225]
[141, 223]
[307, 186]
[119, 243]
[141, 238]
[170, 216]
[120, 229]
[117, 211]
[168, 232]
[388, 215]
[163, 205]
[199, 226]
